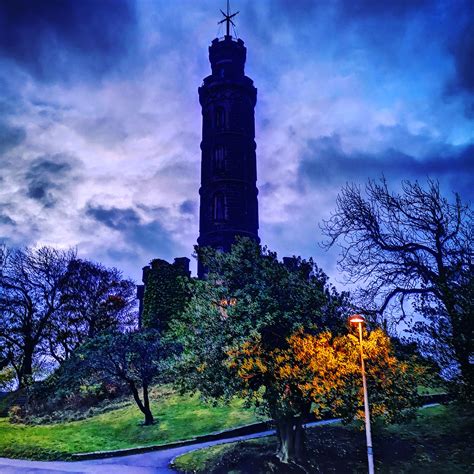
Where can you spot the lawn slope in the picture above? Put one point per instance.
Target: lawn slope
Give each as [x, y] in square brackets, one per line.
[178, 418]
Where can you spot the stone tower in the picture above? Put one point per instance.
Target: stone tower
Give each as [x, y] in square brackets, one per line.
[228, 193]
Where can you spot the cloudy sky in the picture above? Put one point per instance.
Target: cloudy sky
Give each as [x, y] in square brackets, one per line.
[100, 121]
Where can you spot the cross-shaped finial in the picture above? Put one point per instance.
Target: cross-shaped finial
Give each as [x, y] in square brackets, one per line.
[228, 19]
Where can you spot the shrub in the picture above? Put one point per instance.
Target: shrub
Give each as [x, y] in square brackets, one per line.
[16, 414]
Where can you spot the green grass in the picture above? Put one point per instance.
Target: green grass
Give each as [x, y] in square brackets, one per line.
[200, 460]
[431, 390]
[441, 439]
[438, 441]
[178, 418]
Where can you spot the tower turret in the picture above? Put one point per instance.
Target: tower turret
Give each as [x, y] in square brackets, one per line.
[228, 193]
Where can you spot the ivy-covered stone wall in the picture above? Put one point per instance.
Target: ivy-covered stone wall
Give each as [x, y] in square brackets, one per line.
[165, 293]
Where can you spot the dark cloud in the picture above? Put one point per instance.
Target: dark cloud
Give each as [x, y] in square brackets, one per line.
[10, 137]
[153, 237]
[188, 207]
[48, 177]
[113, 217]
[150, 236]
[377, 8]
[462, 50]
[327, 165]
[336, 14]
[59, 39]
[464, 58]
[6, 220]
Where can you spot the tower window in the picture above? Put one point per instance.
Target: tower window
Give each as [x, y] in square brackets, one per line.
[220, 210]
[220, 118]
[219, 158]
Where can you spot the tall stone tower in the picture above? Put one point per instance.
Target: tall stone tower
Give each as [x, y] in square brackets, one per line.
[229, 205]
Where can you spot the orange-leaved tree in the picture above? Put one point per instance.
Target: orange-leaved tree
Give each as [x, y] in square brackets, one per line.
[323, 370]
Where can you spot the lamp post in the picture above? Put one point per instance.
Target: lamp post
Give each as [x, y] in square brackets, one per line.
[359, 320]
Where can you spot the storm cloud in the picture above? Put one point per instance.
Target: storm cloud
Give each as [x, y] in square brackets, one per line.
[327, 165]
[56, 39]
[149, 235]
[100, 122]
[47, 178]
[10, 137]
[118, 219]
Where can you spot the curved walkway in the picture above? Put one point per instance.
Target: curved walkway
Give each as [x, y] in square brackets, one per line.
[156, 462]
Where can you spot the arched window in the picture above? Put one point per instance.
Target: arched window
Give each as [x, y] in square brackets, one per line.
[219, 158]
[220, 118]
[219, 207]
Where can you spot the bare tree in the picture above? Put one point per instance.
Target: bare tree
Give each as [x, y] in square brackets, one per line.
[405, 246]
[31, 283]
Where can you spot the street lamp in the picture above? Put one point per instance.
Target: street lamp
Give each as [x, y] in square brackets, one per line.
[359, 320]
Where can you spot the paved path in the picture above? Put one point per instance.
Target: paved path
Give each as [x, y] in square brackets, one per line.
[155, 462]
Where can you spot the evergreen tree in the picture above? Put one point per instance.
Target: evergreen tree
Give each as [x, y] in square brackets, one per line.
[244, 331]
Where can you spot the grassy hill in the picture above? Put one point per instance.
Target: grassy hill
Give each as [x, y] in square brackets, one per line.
[178, 418]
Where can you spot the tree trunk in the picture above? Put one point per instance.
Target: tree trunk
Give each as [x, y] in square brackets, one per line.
[461, 325]
[26, 369]
[291, 439]
[462, 352]
[145, 409]
[149, 420]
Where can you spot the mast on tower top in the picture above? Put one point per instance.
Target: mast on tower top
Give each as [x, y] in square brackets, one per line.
[228, 19]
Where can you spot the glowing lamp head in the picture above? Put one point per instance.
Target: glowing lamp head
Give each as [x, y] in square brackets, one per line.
[356, 319]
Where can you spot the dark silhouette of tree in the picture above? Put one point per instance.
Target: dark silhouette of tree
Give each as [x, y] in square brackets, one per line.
[95, 299]
[5, 353]
[134, 358]
[436, 332]
[31, 285]
[413, 245]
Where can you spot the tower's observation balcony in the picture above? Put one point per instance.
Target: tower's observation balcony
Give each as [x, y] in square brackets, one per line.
[227, 57]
